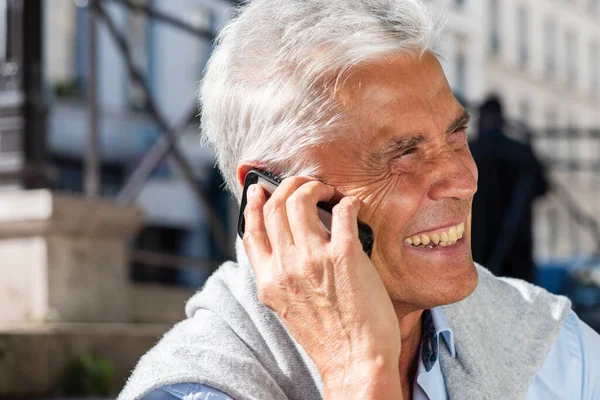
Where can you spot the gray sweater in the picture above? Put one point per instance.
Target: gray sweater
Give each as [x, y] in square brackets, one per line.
[230, 341]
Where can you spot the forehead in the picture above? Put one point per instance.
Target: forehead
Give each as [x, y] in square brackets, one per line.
[396, 94]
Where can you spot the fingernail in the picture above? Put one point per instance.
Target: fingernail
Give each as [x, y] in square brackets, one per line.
[252, 191]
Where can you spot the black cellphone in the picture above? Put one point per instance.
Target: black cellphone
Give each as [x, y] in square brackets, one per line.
[270, 181]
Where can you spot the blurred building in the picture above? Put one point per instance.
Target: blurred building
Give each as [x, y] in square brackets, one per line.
[172, 61]
[542, 58]
[19, 63]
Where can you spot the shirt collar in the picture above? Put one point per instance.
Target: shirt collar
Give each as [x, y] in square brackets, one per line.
[442, 327]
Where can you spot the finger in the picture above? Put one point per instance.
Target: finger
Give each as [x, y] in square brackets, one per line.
[256, 240]
[275, 213]
[301, 208]
[344, 226]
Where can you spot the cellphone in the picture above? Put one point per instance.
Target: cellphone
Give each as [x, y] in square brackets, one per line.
[270, 181]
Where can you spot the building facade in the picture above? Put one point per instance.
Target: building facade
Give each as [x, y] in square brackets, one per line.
[172, 61]
[542, 58]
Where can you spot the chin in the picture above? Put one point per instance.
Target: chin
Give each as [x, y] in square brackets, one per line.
[430, 287]
[455, 288]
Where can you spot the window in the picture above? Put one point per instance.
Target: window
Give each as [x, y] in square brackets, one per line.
[163, 239]
[571, 58]
[494, 23]
[595, 69]
[81, 48]
[523, 36]
[550, 49]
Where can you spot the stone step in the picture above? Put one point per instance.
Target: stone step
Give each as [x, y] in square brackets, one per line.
[33, 358]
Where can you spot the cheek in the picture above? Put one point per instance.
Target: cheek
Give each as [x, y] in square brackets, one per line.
[390, 208]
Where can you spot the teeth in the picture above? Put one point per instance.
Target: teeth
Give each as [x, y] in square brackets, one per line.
[453, 234]
[443, 239]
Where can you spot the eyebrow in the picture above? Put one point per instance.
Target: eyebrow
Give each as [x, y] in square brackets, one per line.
[460, 122]
[399, 145]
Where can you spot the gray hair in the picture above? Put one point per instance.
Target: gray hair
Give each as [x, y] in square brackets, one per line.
[267, 91]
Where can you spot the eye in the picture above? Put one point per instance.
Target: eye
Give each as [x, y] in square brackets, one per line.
[458, 137]
[406, 152]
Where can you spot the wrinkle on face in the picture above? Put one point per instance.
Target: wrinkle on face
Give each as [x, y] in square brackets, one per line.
[410, 187]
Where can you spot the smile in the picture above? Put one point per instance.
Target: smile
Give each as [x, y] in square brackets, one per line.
[444, 238]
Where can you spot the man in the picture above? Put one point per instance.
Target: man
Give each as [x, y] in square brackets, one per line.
[347, 99]
[510, 179]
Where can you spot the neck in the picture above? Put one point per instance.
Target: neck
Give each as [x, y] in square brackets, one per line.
[411, 332]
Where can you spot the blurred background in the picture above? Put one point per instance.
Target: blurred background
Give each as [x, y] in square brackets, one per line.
[112, 214]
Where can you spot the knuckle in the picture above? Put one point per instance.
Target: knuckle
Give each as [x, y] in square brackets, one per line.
[249, 236]
[267, 289]
[297, 200]
[253, 205]
[311, 264]
[251, 208]
[342, 209]
[283, 281]
[263, 296]
[272, 206]
[312, 267]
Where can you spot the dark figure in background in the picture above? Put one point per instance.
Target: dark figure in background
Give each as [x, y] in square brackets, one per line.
[510, 178]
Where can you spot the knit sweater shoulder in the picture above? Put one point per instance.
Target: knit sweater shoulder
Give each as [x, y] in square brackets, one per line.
[502, 333]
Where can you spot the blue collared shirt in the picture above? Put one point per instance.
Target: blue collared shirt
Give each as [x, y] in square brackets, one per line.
[571, 369]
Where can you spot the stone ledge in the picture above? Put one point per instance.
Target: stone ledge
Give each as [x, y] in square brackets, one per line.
[32, 358]
[66, 258]
[41, 212]
[152, 303]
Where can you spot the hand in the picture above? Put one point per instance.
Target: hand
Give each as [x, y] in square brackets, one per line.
[324, 287]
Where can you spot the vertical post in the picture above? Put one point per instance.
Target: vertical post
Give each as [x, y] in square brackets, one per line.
[573, 137]
[25, 50]
[92, 169]
[596, 165]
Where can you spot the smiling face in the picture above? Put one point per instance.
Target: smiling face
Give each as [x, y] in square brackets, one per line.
[405, 156]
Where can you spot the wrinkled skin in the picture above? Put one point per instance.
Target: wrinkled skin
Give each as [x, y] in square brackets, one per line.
[429, 188]
[359, 319]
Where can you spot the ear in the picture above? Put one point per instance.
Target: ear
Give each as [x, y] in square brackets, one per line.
[242, 171]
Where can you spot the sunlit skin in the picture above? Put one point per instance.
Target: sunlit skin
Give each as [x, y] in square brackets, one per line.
[403, 153]
[412, 190]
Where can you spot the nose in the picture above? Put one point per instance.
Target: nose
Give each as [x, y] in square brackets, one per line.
[454, 176]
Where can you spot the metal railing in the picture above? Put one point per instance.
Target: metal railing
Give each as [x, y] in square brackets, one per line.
[571, 175]
[166, 145]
